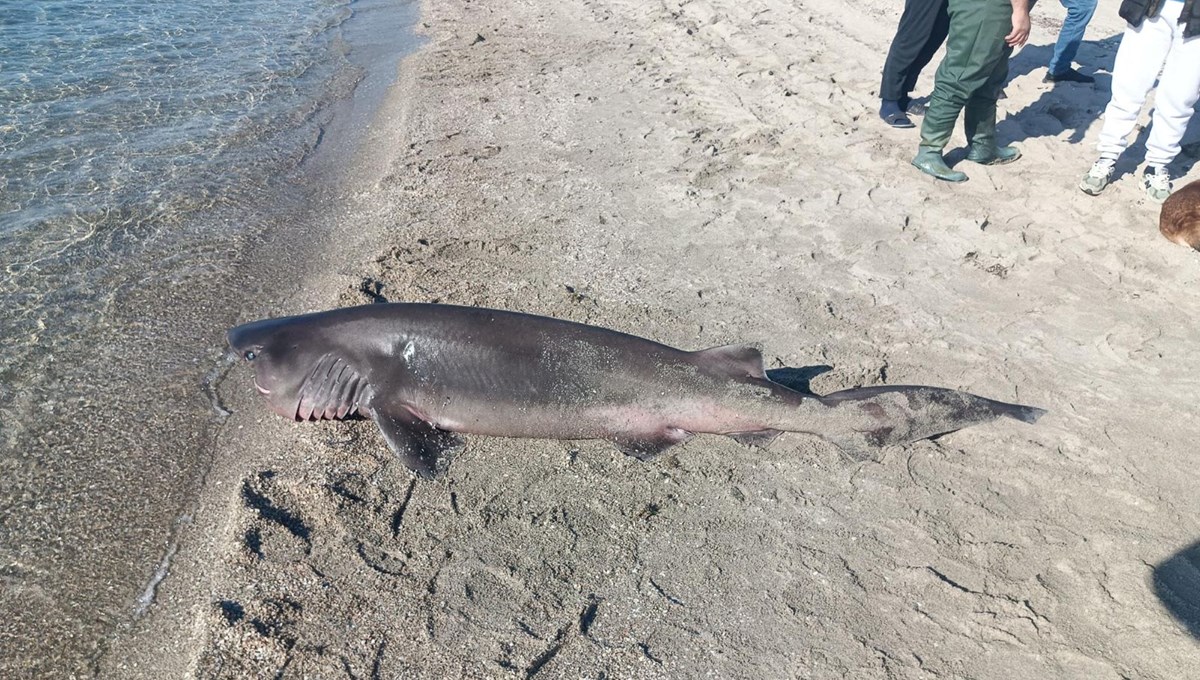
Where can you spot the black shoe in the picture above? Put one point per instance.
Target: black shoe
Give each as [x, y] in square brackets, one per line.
[1068, 76]
[893, 115]
[913, 107]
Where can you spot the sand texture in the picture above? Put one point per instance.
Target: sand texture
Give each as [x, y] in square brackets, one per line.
[704, 173]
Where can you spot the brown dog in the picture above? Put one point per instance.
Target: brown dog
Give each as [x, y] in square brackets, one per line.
[1180, 217]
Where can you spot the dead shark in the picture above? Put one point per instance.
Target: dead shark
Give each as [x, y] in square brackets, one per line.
[427, 372]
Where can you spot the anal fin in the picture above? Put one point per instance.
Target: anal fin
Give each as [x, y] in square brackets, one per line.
[422, 447]
[756, 438]
[860, 446]
[652, 446]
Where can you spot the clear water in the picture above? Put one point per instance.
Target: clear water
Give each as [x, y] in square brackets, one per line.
[121, 119]
[146, 146]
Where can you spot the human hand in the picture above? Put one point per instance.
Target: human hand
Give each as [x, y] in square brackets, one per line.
[1020, 29]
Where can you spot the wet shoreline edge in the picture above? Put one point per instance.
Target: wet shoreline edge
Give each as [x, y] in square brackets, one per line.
[300, 246]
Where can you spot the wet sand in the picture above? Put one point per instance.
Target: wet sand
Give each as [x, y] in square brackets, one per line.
[707, 173]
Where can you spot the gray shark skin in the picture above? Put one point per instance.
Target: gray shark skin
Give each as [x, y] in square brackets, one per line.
[426, 372]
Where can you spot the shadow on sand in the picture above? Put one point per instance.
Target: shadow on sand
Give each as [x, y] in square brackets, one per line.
[1062, 107]
[1177, 585]
[797, 378]
[1072, 108]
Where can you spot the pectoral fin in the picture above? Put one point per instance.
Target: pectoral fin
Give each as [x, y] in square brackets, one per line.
[421, 446]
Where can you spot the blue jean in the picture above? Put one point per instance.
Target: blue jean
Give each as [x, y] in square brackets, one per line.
[1079, 13]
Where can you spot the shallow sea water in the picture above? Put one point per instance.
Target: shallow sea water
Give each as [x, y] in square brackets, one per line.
[121, 120]
[145, 147]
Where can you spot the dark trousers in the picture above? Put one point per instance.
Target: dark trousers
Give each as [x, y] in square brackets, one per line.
[922, 30]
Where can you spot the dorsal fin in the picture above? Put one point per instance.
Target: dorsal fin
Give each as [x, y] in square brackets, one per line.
[735, 360]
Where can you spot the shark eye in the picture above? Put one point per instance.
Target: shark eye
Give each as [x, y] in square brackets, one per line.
[250, 355]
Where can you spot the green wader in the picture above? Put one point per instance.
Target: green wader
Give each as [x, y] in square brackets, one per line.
[969, 80]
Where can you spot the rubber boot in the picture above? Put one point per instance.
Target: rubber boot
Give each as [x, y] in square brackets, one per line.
[979, 121]
[929, 161]
[936, 128]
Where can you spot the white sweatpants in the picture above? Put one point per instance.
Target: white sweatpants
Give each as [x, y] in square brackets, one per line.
[1142, 54]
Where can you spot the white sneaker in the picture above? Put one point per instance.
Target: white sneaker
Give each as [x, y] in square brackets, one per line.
[1157, 182]
[1098, 177]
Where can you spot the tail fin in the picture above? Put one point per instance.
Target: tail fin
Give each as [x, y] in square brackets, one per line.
[872, 417]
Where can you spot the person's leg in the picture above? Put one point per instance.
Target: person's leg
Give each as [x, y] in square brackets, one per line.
[1138, 61]
[1079, 13]
[979, 115]
[937, 36]
[976, 41]
[900, 69]
[1174, 102]
[1175, 99]
[1139, 58]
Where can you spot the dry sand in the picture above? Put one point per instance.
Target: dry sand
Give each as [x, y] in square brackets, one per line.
[705, 173]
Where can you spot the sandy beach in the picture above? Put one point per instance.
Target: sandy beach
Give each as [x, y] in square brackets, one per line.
[706, 173]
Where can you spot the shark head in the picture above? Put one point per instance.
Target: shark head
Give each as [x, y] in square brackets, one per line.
[296, 369]
[279, 362]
